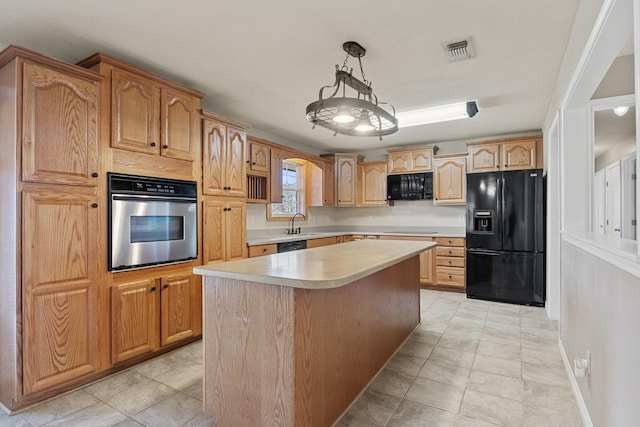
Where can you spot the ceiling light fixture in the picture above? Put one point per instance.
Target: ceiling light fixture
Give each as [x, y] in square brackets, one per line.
[338, 111]
[621, 111]
[441, 113]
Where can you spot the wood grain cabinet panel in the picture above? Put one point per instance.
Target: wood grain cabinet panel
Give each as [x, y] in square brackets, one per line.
[179, 124]
[400, 162]
[177, 312]
[261, 250]
[505, 154]
[427, 258]
[134, 319]
[373, 183]
[451, 262]
[324, 241]
[346, 178]
[223, 164]
[60, 127]
[484, 158]
[519, 155]
[421, 160]
[61, 301]
[225, 236]
[449, 180]
[404, 160]
[259, 161]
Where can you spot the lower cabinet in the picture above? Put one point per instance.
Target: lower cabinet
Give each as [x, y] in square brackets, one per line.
[324, 241]
[224, 230]
[450, 262]
[427, 258]
[260, 250]
[150, 313]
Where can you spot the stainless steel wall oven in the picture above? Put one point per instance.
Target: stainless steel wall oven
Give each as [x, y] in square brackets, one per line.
[152, 221]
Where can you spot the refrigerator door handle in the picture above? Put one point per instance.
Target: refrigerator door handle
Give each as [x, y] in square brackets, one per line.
[481, 252]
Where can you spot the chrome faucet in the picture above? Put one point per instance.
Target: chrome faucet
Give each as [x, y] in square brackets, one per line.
[293, 230]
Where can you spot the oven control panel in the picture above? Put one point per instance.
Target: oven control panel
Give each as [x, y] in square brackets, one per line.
[138, 185]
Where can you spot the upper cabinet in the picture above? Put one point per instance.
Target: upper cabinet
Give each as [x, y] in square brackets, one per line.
[346, 178]
[449, 179]
[373, 184]
[406, 160]
[148, 113]
[223, 158]
[59, 126]
[505, 154]
[258, 158]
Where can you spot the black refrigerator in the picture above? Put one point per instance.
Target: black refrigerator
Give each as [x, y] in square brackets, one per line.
[505, 237]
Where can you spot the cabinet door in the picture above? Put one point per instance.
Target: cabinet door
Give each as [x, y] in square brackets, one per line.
[519, 155]
[177, 313]
[178, 118]
[427, 267]
[59, 128]
[484, 158]
[214, 139]
[328, 185]
[275, 176]
[449, 181]
[259, 158]
[373, 183]
[135, 108]
[235, 163]
[400, 162]
[60, 271]
[421, 160]
[134, 319]
[236, 236]
[346, 171]
[213, 237]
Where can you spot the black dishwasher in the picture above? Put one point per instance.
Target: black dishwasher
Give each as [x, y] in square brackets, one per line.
[292, 246]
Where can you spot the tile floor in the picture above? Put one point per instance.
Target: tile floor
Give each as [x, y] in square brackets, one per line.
[469, 363]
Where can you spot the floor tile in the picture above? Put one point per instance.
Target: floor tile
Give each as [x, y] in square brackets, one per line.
[458, 343]
[425, 336]
[97, 415]
[470, 332]
[59, 408]
[130, 392]
[493, 317]
[550, 396]
[434, 326]
[158, 366]
[550, 325]
[436, 394]
[503, 351]
[463, 421]
[349, 420]
[497, 365]
[539, 336]
[195, 390]
[414, 414]
[128, 423]
[392, 383]
[173, 411]
[450, 356]
[501, 308]
[498, 385]
[471, 314]
[374, 407]
[406, 364]
[545, 374]
[536, 416]
[202, 420]
[416, 348]
[492, 409]
[533, 312]
[542, 356]
[511, 330]
[500, 337]
[182, 376]
[16, 420]
[447, 374]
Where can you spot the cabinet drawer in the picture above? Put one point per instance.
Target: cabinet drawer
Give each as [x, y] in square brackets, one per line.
[452, 276]
[260, 250]
[450, 241]
[449, 251]
[450, 261]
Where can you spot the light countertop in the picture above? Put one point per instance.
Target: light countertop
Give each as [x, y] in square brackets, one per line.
[265, 237]
[319, 268]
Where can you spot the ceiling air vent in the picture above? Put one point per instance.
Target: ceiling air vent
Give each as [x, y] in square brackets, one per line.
[459, 50]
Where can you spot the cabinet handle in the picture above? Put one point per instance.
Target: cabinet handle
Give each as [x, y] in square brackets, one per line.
[264, 250]
[94, 205]
[165, 146]
[165, 286]
[247, 161]
[253, 163]
[153, 144]
[449, 276]
[449, 262]
[152, 289]
[94, 175]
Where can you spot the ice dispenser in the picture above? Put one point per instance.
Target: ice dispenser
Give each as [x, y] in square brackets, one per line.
[483, 222]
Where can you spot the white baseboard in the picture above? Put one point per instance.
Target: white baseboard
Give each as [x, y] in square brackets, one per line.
[584, 413]
[552, 309]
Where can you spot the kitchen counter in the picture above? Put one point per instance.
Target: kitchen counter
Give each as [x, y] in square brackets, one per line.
[318, 268]
[292, 339]
[264, 237]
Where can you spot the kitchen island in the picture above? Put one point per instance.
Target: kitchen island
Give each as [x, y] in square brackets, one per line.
[291, 339]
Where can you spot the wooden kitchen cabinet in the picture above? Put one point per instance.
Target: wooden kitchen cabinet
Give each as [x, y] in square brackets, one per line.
[427, 258]
[149, 114]
[373, 184]
[418, 159]
[451, 262]
[224, 235]
[149, 313]
[346, 178]
[324, 241]
[449, 180]
[261, 250]
[61, 300]
[223, 164]
[259, 158]
[505, 154]
[57, 146]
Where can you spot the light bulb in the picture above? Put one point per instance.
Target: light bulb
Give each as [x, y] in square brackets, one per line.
[364, 124]
[343, 115]
[621, 111]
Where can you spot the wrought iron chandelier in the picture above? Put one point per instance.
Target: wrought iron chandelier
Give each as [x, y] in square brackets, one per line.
[357, 115]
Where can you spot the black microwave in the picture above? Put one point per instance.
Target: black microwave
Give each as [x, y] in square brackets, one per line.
[410, 186]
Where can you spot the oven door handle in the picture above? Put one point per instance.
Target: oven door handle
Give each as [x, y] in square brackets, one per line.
[153, 199]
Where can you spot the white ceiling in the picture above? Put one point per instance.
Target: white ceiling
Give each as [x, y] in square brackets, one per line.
[262, 62]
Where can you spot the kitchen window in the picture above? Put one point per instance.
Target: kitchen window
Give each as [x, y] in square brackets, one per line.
[293, 193]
